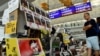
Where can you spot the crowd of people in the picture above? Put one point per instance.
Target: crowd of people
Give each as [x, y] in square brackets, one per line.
[73, 48]
[90, 46]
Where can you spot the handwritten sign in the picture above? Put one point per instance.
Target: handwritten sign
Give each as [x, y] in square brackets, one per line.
[12, 47]
[10, 27]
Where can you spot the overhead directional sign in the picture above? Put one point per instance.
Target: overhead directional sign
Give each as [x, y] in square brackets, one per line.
[67, 11]
[70, 10]
[55, 14]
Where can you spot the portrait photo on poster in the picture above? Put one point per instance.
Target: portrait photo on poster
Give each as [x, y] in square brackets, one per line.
[29, 17]
[48, 24]
[31, 7]
[29, 47]
[24, 3]
[43, 22]
[37, 20]
[35, 47]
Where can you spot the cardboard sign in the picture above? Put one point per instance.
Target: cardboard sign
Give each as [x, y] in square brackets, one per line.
[10, 27]
[12, 47]
[30, 47]
[24, 47]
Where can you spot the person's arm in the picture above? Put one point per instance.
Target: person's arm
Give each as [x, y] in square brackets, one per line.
[87, 27]
[91, 23]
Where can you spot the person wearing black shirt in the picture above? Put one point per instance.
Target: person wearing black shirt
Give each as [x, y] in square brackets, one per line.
[90, 28]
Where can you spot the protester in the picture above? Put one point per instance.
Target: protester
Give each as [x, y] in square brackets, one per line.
[90, 28]
[65, 50]
[73, 46]
[83, 51]
[53, 30]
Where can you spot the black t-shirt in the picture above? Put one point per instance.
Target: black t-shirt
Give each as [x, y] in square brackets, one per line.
[93, 30]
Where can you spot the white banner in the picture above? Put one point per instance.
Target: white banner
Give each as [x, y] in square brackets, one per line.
[5, 17]
[13, 5]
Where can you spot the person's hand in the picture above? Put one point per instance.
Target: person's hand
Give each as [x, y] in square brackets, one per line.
[89, 25]
[84, 28]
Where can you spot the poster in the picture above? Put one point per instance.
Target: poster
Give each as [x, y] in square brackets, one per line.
[10, 27]
[31, 7]
[12, 47]
[11, 11]
[30, 21]
[48, 24]
[23, 5]
[13, 5]
[43, 22]
[48, 27]
[37, 20]
[30, 47]
[29, 18]
[24, 47]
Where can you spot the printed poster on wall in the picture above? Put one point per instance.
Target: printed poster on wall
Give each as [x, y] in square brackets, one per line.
[24, 47]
